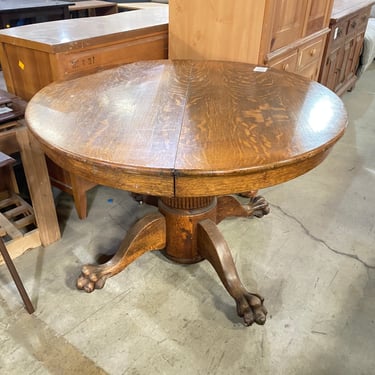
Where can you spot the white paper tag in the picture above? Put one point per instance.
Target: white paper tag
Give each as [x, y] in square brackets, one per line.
[5, 110]
[336, 33]
[260, 69]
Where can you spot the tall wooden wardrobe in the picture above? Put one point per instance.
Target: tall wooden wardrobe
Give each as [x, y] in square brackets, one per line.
[286, 34]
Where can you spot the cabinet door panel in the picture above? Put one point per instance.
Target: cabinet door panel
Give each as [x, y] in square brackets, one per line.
[288, 22]
[346, 64]
[318, 16]
[355, 53]
[331, 74]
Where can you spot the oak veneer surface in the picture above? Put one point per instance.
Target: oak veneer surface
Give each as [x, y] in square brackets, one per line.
[65, 35]
[187, 128]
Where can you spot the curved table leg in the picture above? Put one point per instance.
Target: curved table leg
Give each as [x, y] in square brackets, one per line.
[214, 248]
[147, 234]
[228, 205]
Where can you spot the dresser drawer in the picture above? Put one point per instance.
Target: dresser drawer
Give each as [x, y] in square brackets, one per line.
[358, 23]
[311, 71]
[287, 62]
[311, 52]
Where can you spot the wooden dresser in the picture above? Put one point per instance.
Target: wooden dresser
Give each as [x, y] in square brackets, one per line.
[286, 34]
[341, 57]
[32, 56]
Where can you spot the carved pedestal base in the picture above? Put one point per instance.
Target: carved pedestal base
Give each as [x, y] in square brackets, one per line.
[186, 228]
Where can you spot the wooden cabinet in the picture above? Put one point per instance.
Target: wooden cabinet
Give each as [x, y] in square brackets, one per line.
[341, 58]
[34, 55]
[286, 34]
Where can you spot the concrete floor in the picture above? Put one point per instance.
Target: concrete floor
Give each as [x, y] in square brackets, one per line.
[313, 258]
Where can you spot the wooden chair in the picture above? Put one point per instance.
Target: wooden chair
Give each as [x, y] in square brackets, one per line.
[8, 180]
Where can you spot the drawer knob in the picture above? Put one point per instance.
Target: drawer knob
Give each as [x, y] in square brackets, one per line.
[286, 66]
[313, 52]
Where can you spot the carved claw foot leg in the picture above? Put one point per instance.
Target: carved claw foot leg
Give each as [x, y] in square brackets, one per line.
[214, 248]
[146, 235]
[250, 307]
[257, 206]
[228, 205]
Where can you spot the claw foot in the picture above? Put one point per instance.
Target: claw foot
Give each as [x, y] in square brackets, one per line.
[91, 279]
[257, 206]
[250, 307]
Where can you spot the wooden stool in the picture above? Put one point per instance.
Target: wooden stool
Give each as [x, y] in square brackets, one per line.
[8, 180]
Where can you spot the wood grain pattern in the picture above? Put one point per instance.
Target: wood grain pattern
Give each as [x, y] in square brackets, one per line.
[221, 29]
[195, 128]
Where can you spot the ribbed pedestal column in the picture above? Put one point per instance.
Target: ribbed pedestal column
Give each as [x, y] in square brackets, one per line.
[182, 216]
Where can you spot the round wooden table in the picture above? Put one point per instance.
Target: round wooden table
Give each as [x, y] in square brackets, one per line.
[189, 133]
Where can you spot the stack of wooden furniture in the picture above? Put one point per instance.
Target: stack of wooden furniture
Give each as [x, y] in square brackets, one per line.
[35, 55]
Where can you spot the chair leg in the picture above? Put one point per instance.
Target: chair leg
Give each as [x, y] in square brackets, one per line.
[12, 269]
